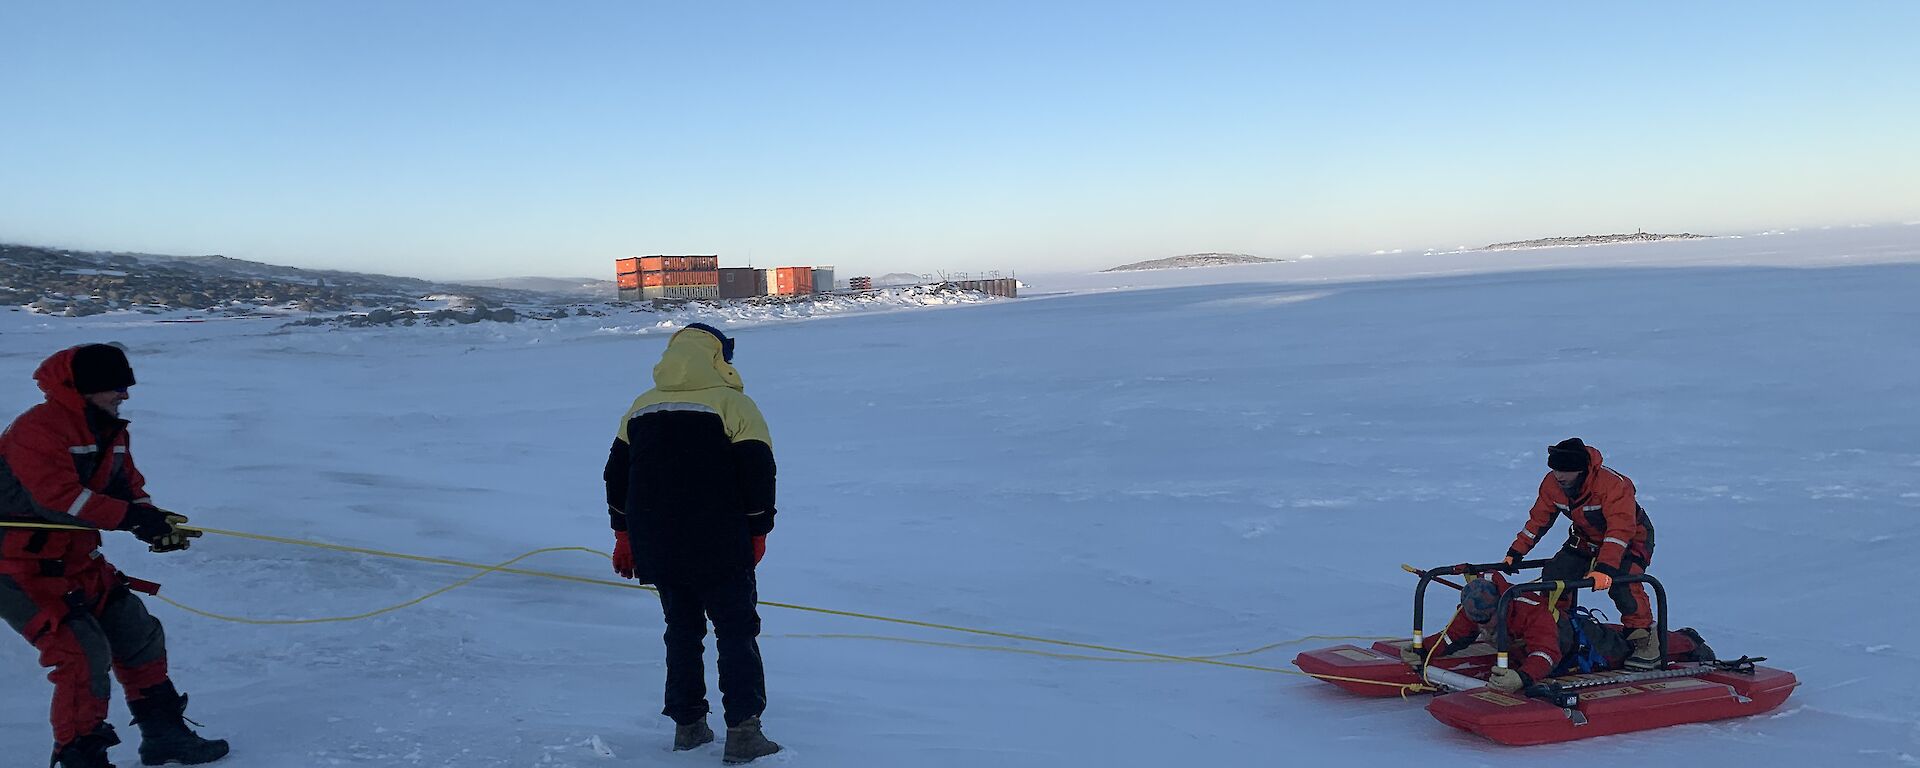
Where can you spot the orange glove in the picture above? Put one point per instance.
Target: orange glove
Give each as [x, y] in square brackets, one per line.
[622, 555]
[759, 548]
[1601, 581]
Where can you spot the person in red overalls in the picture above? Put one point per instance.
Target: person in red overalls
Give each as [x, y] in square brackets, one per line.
[1608, 535]
[66, 462]
[1540, 639]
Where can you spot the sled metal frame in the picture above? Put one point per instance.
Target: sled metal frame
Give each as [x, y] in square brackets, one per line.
[1570, 589]
[1462, 569]
[1556, 692]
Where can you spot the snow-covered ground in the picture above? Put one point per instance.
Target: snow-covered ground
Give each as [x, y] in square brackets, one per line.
[1215, 460]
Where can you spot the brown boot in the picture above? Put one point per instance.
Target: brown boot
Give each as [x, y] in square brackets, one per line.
[745, 743]
[1646, 652]
[691, 735]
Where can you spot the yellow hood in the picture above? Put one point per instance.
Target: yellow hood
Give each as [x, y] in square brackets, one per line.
[692, 361]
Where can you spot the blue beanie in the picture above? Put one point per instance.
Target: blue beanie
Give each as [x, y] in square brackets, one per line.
[1478, 598]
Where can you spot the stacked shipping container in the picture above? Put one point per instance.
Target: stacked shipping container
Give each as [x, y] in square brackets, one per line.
[700, 277]
[678, 263]
[668, 277]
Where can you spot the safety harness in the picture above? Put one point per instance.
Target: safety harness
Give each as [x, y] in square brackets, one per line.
[1584, 657]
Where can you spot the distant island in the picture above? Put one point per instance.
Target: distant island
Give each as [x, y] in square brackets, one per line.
[1556, 242]
[1194, 260]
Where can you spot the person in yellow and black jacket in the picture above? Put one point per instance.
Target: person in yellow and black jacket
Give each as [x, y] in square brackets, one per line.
[690, 492]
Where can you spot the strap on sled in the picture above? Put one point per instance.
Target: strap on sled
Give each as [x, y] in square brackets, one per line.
[1742, 665]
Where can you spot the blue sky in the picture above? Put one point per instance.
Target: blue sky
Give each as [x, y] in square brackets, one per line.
[477, 139]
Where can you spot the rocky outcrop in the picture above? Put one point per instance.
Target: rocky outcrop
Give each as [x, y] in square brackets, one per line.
[74, 283]
[1194, 260]
[1560, 242]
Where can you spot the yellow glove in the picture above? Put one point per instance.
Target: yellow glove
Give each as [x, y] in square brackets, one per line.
[1507, 679]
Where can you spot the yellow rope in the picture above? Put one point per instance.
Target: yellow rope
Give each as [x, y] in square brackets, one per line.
[372, 613]
[1215, 660]
[1405, 688]
[1067, 656]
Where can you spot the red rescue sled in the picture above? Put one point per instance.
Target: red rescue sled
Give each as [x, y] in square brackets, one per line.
[1378, 671]
[1601, 708]
[1692, 687]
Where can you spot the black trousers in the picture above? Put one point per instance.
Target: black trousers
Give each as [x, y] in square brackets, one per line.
[733, 605]
[1631, 599]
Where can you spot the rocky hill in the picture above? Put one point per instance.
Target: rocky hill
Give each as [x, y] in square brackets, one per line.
[79, 283]
[76, 283]
[1559, 242]
[1194, 260]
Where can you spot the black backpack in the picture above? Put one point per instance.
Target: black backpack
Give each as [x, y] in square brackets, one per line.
[1586, 645]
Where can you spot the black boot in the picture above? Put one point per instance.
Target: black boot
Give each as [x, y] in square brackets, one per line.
[161, 713]
[89, 751]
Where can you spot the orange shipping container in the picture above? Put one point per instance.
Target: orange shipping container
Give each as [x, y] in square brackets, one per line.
[686, 263]
[630, 280]
[693, 278]
[626, 266]
[789, 281]
[671, 264]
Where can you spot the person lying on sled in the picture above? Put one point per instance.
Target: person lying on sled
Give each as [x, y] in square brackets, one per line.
[1546, 641]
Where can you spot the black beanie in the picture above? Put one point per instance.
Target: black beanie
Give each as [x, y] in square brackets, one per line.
[100, 368]
[1569, 455]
